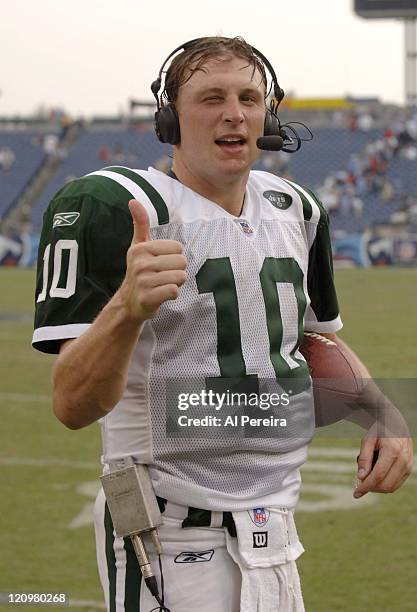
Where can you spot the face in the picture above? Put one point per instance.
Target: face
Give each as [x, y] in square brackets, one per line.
[221, 112]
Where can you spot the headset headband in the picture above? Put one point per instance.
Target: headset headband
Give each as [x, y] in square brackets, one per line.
[156, 85]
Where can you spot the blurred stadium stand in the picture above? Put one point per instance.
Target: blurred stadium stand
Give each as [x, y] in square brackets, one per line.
[364, 173]
[28, 155]
[97, 147]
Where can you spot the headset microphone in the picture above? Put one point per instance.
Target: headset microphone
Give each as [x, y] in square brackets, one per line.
[270, 143]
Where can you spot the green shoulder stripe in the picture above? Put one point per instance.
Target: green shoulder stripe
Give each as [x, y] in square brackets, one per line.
[307, 196]
[307, 208]
[98, 187]
[323, 211]
[156, 199]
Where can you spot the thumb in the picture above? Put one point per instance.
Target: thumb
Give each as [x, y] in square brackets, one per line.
[140, 222]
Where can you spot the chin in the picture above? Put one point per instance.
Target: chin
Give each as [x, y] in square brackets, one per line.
[234, 165]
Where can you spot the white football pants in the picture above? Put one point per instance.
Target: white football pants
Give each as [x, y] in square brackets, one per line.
[199, 572]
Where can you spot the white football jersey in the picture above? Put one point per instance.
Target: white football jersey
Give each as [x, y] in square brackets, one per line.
[254, 283]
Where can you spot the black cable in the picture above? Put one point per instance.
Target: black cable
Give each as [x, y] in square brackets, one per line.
[161, 600]
[299, 139]
[162, 578]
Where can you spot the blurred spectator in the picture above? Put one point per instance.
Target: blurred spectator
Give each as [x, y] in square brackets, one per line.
[357, 206]
[104, 154]
[7, 158]
[50, 144]
[365, 122]
[275, 162]
[353, 123]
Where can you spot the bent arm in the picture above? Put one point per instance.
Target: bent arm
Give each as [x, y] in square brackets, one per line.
[90, 373]
[387, 433]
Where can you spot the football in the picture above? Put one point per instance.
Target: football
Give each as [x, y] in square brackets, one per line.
[338, 378]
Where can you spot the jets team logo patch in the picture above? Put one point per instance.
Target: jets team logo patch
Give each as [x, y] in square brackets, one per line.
[260, 539]
[194, 557]
[279, 199]
[68, 218]
[259, 516]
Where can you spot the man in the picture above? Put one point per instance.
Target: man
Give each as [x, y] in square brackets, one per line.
[208, 274]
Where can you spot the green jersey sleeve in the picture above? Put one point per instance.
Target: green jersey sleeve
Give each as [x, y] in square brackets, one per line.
[87, 230]
[323, 312]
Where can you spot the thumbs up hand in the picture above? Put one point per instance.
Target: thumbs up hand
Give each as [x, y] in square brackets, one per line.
[140, 222]
[155, 269]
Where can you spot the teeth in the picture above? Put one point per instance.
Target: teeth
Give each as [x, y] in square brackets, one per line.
[230, 140]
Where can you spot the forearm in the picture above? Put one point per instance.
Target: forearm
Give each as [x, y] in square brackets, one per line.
[373, 407]
[90, 373]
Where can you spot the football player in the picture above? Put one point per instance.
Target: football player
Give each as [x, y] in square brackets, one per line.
[151, 286]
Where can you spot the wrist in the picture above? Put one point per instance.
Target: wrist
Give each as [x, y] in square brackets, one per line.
[121, 312]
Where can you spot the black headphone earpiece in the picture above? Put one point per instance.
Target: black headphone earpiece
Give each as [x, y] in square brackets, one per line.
[167, 125]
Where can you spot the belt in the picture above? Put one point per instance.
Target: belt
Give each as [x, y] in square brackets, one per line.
[197, 517]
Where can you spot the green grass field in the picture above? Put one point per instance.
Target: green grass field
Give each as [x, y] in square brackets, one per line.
[360, 555]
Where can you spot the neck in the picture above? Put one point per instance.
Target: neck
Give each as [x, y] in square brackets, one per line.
[227, 192]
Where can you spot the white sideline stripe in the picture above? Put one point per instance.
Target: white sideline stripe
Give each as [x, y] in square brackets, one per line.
[310, 465]
[24, 397]
[51, 462]
[86, 603]
[333, 452]
[329, 466]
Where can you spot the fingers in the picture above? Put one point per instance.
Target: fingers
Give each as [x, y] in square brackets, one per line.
[157, 296]
[163, 247]
[376, 476]
[160, 263]
[172, 277]
[393, 467]
[365, 456]
[140, 222]
[155, 269]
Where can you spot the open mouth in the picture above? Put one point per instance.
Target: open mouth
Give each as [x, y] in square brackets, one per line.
[230, 143]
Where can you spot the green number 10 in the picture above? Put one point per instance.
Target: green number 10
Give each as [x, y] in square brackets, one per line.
[216, 277]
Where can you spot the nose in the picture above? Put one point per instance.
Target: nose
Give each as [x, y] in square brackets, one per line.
[232, 111]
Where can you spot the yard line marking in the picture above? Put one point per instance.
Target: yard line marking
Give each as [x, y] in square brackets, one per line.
[333, 452]
[24, 397]
[329, 466]
[50, 462]
[85, 516]
[336, 497]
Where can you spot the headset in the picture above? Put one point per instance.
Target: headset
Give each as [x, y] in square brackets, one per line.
[167, 125]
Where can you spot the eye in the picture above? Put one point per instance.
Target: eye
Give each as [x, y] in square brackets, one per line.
[248, 98]
[213, 99]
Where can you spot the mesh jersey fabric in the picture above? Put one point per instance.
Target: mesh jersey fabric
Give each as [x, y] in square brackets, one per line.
[254, 283]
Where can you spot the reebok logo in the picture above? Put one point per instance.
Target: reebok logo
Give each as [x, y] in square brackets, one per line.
[194, 557]
[260, 539]
[68, 218]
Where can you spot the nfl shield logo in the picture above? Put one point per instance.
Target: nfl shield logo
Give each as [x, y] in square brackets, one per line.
[245, 227]
[259, 516]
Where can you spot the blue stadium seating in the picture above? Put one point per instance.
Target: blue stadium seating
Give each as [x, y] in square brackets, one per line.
[28, 159]
[328, 153]
[141, 150]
